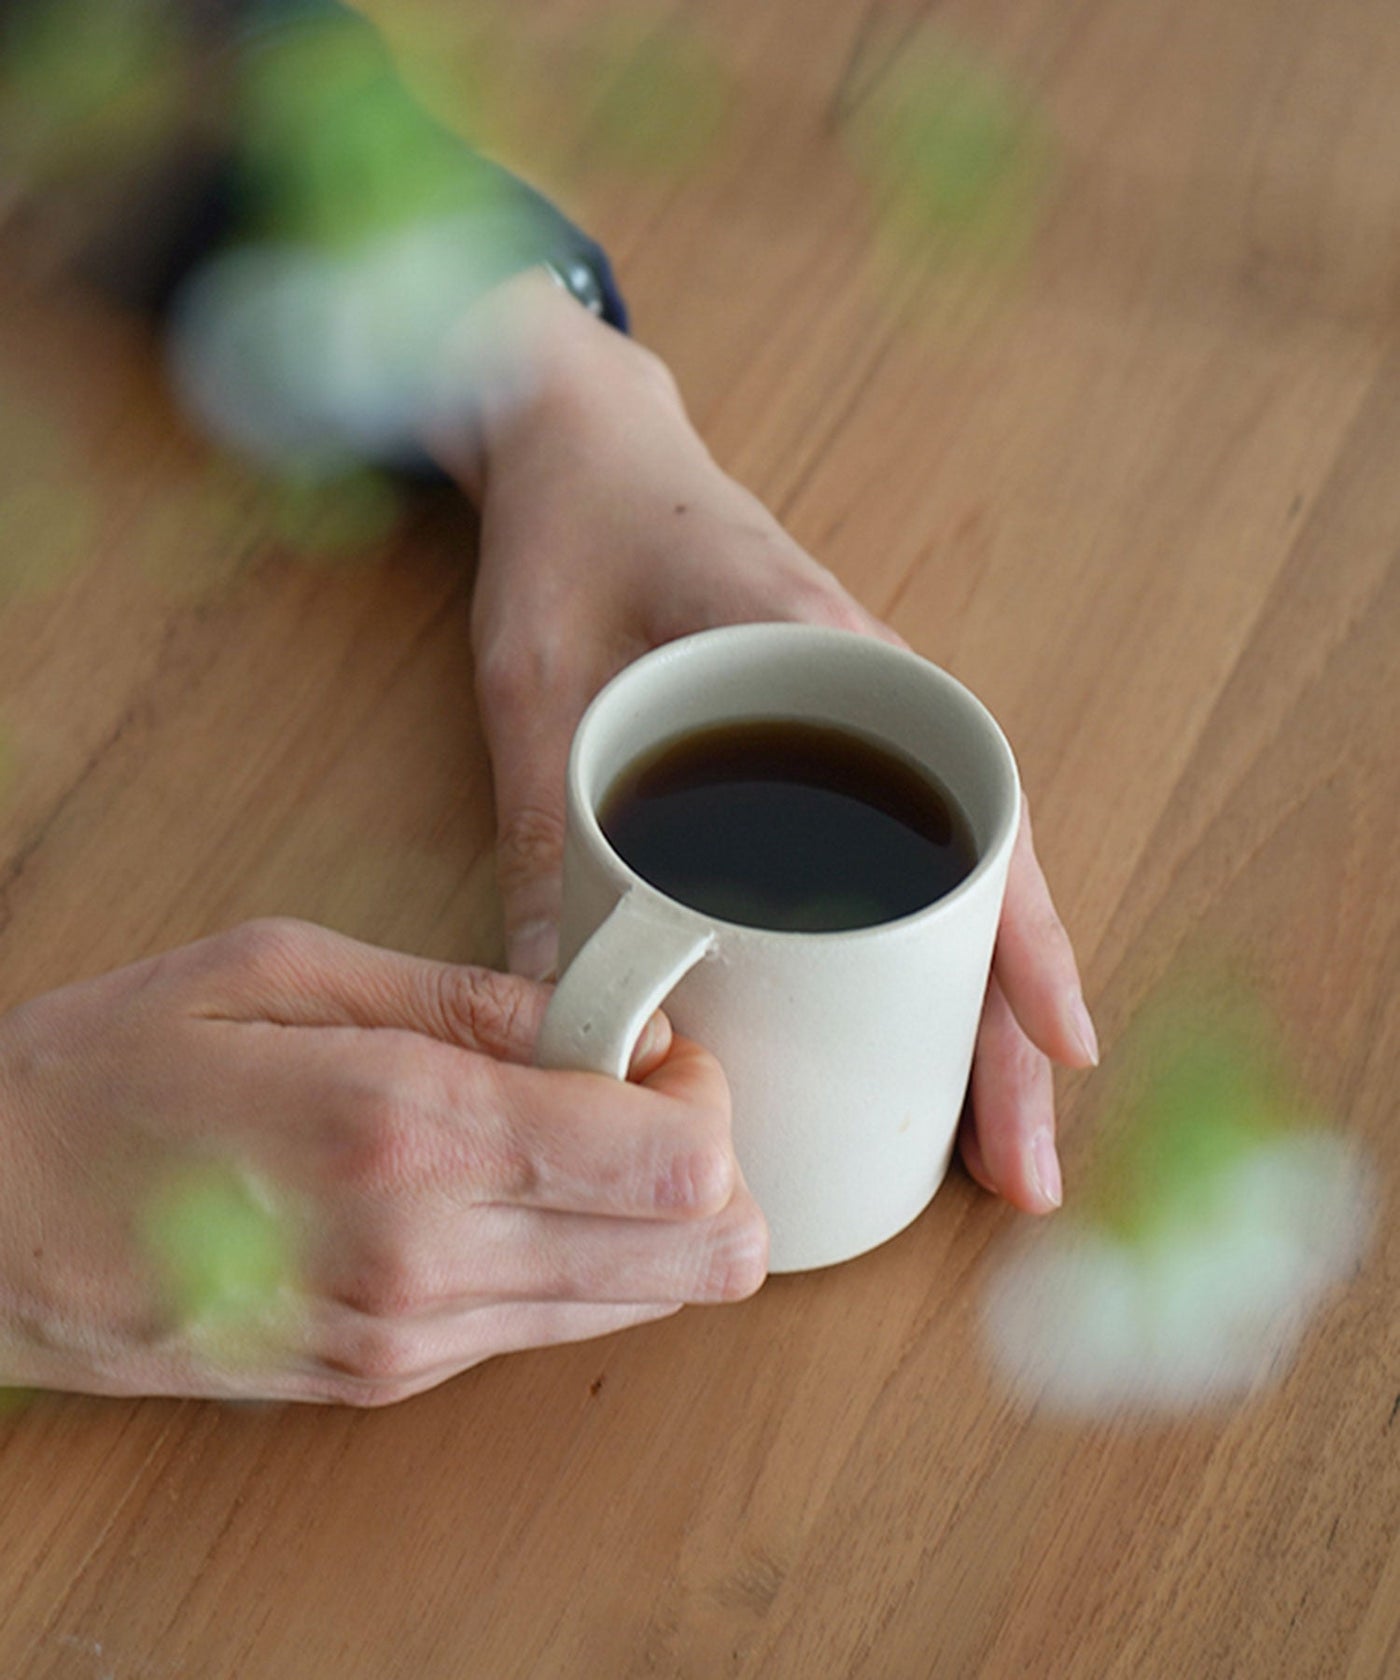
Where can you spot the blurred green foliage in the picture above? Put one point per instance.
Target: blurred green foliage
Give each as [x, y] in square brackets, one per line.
[471, 68]
[1201, 1084]
[337, 153]
[48, 519]
[334, 520]
[88, 82]
[956, 156]
[334, 148]
[657, 97]
[223, 1254]
[48, 534]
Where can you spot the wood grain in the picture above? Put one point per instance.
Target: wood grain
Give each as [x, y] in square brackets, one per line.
[1140, 487]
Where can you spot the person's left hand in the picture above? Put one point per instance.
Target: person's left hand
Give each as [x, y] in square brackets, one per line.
[606, 530]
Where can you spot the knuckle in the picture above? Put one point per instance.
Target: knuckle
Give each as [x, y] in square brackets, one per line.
[837, 611]
[502, 682]
[268, 948]
[373, 1352]
[477, 1008]
[1053, 930]
[385, 1154]
[385, 1289]
[402, 1136]
[738, 1262]
[530, 843]
[503, 1166]
[513, 671]
[340, 1387]
[1031, 1072]
[697, 1183]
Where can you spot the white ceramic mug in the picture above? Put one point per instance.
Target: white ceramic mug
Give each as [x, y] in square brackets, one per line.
[848, 1053]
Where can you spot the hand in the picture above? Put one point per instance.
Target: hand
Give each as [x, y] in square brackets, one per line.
[440, 1200]
[607, 529]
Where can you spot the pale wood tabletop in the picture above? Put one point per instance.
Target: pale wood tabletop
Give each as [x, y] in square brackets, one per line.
[1129, 465]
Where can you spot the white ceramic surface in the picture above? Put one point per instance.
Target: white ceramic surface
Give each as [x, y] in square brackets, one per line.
[847, 1054]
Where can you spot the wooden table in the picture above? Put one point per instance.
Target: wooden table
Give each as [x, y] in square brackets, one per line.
[1138, 483]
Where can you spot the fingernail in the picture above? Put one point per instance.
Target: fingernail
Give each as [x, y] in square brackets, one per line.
[1084, 1030]
[1045, 1165]
[651, 1046]
[532, 949]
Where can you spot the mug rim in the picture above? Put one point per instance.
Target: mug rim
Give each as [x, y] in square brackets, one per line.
[581, 808]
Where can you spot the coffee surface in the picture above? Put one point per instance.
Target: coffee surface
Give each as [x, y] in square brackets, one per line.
[801, 827]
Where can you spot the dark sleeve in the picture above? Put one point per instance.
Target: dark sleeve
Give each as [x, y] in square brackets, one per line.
[264, 158]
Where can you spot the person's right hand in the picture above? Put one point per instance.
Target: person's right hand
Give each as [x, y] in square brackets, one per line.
[445, 1201]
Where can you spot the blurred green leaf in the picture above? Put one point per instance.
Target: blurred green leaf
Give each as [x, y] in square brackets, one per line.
[334, 520]
[658, 97]
[222, 1253]
[335, 150]
[88, 82]
[49, 532]
[48, 511]
[1201, 1085]
[956, 156]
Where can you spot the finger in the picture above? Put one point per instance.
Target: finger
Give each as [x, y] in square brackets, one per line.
[296, 974]
[367, 1362]
[869, 625]
[831, 605]
[583, 1143]
[1013, 1110]
[813, 596]
[394, 1132]
[971, 1150]
[1034, 962]
[692, 1076]
[529, 725]
[499, 1253]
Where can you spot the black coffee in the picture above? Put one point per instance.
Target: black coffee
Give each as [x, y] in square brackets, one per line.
[797, 826]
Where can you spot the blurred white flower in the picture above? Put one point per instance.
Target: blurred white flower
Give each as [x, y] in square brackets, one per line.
[310, 362]
[1082, 1319]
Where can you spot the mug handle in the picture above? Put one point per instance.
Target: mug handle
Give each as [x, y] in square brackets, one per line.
[615, 985]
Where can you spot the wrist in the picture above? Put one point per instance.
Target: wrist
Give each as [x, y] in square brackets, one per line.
[541, 371]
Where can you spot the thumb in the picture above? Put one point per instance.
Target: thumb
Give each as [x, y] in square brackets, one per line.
[528, 738]
[529, 874]
[296, 974]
